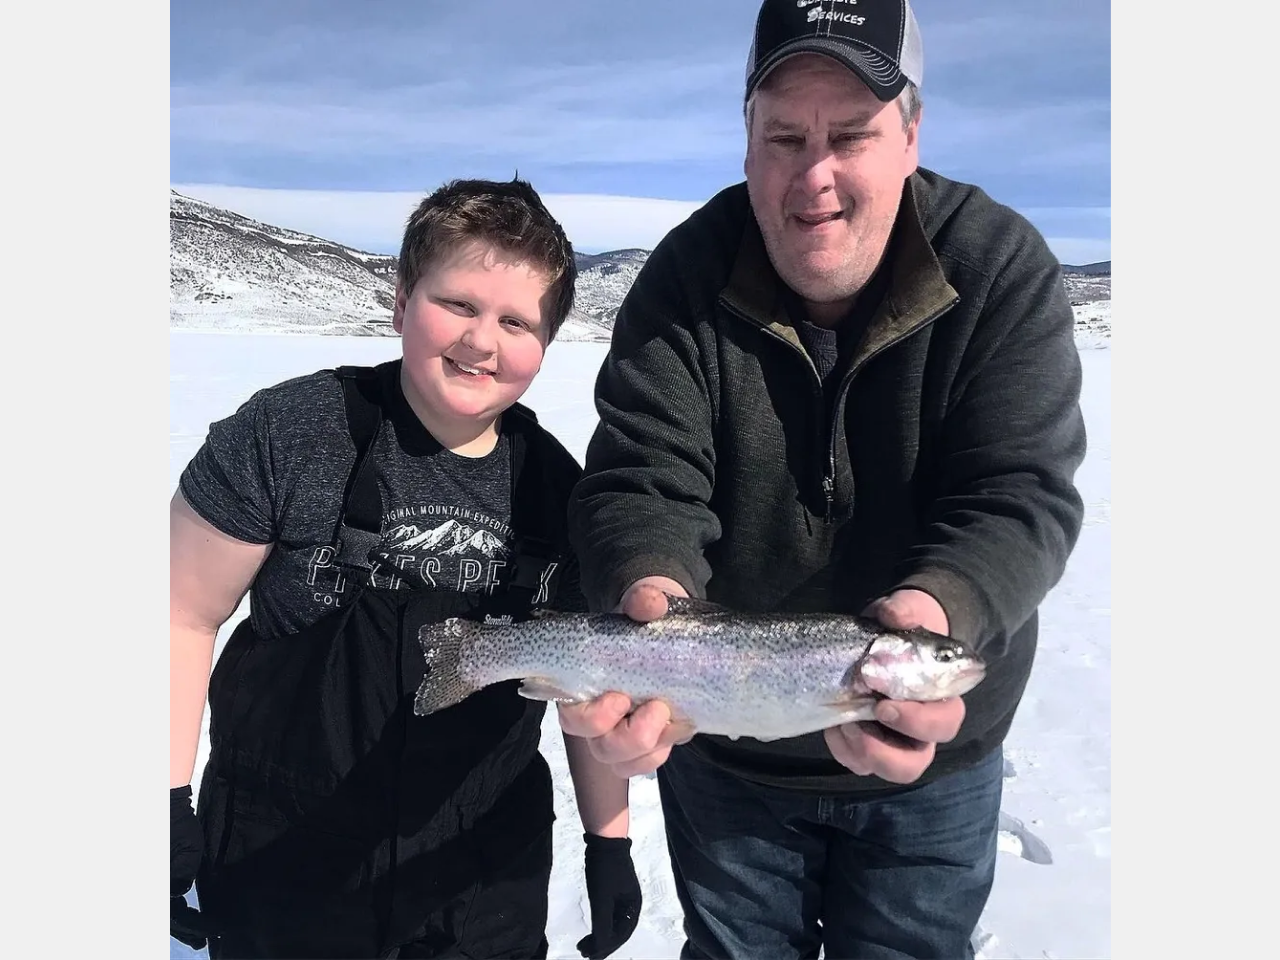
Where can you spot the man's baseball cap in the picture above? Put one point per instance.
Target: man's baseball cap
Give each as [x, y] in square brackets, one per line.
[876, 39]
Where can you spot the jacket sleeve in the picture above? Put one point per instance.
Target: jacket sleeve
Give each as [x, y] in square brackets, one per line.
[1006, 513]
[641, 508]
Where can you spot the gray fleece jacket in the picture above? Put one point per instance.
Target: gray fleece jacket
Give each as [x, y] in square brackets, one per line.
[946, 464]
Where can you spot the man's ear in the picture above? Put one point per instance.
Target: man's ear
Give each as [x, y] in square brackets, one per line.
[911, 159]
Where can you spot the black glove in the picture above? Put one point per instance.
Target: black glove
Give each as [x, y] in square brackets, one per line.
[614, 893]
[186, 843]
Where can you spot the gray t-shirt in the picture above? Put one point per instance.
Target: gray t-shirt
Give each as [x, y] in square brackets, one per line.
[275, 472]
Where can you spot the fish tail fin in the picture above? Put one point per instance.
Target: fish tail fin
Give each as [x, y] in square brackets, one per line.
[443, 684]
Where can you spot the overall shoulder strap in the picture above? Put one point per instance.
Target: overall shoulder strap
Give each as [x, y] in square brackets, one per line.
[537, 555]
[360, 522]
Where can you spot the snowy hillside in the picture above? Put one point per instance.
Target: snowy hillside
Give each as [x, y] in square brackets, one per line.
[1093, 322]
[228, 273]
[603, 280]
[1089, 290]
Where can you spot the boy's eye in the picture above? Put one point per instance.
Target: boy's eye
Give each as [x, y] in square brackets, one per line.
[453, 305]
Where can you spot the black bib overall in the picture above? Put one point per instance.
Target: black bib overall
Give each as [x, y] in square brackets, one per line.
[337, 823]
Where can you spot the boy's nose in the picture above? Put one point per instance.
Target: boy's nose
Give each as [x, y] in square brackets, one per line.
[480, 336]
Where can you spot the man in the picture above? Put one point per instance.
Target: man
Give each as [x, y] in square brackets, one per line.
[848, 384]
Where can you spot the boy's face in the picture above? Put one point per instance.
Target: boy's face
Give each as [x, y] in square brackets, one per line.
[474, 331]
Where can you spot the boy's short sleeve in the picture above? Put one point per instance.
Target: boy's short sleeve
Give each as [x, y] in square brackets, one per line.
[229, 481]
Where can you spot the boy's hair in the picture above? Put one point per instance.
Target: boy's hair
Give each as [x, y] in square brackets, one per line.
[509, 216]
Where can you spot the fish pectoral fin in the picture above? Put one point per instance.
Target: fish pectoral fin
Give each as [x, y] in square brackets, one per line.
[543, 688]
[846, 700]
[692, 606]
[852, 708]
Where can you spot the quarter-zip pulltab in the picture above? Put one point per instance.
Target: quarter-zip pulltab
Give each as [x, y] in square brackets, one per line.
[843, 391]
[829, 474]
[829, 470]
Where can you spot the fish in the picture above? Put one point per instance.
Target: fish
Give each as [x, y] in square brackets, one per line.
[768, 676]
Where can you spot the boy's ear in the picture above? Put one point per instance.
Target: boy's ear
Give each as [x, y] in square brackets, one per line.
[397, 312]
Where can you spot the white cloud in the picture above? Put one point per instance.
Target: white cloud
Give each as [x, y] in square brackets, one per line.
[630, 112]
[373, 220]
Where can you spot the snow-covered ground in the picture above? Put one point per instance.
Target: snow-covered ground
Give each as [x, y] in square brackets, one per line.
[1052, 894]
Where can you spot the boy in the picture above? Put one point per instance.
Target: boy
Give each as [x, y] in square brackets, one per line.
[354, 506]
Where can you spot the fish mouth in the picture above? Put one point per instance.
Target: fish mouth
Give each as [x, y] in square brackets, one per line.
[968, 677]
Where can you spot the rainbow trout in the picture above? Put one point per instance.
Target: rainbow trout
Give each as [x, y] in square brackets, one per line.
[761, 675]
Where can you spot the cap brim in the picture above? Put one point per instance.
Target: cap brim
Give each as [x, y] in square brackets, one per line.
[880, 74]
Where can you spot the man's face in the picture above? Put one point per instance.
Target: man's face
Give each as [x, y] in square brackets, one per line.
[825, 167]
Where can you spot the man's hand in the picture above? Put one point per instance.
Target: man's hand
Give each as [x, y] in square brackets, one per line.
[901, 745]
[632, 742]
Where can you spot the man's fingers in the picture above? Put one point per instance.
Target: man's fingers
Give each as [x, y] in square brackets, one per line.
[644, 602]
[904, 609]
[678, 732]
[848, 750]
[632, 743]
[595, 717]
[638, 732]
[643, 765]
[878, 732]
[936, 722]
[634, 736]
[864, 749]
[895, 764]
[892, 612]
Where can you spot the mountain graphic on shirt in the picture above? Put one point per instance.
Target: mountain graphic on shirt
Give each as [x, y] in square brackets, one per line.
[480, 541]
[451, 538]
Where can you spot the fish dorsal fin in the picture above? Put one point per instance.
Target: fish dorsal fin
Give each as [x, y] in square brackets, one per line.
[692, 606]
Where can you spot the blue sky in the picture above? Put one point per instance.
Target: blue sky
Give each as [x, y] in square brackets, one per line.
[335, 118]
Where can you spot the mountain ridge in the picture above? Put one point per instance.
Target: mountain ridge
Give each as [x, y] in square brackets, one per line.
[231, 273]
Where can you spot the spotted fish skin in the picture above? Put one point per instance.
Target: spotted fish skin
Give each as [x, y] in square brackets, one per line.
[767, 676]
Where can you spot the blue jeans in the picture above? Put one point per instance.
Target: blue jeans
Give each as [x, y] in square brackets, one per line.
[769, 873]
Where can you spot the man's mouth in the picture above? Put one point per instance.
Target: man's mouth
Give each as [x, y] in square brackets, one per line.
[818, 219]
[468, 370]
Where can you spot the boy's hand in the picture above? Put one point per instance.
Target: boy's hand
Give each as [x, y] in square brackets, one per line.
[614, 894]
[186, 846]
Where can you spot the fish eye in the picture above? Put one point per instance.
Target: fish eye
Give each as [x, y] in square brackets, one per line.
[946, 654]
